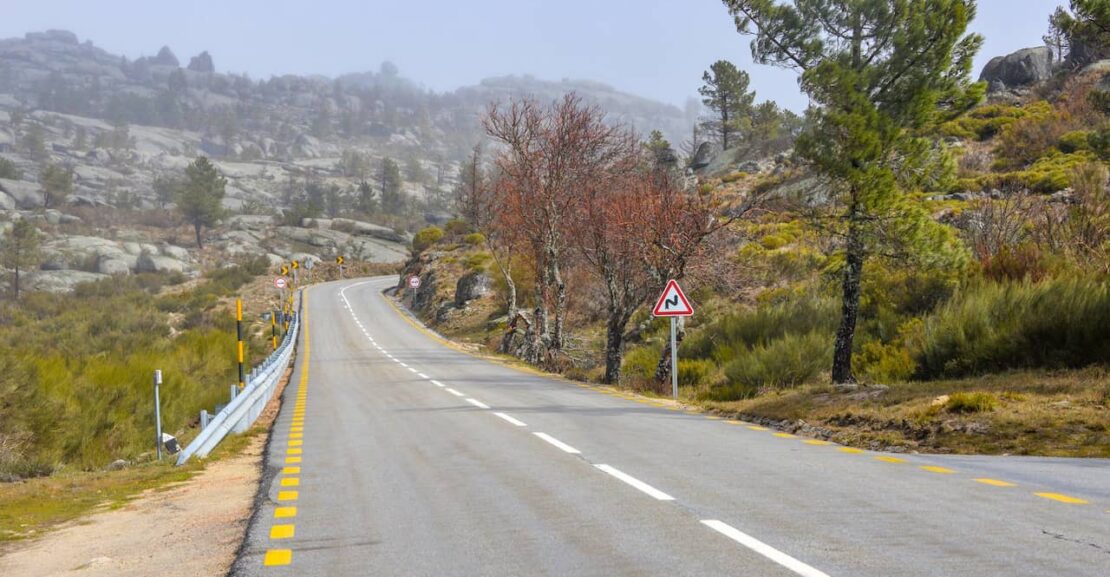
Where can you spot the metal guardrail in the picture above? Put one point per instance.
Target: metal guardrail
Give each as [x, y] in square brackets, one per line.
[245, 408]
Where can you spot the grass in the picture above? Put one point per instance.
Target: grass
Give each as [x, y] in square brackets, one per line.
[75, 370]
[1064, 414]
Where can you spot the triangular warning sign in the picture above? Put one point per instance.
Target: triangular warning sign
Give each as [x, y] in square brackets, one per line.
[672, 303]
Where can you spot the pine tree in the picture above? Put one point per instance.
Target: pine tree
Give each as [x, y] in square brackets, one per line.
[726, 95]
[393, 201]
[367, 204]
[200, 200]
[19, 251]
[57, 184]
[880, 72]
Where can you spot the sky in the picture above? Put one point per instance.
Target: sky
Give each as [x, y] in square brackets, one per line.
[653, 48]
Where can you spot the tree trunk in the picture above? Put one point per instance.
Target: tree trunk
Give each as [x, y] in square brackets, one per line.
[15, 283]
[849, 312]
[196, 229]
[614, 345]
[663, 369]
[560, 306]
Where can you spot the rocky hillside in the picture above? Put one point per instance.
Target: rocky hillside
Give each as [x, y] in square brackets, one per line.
[121, 126]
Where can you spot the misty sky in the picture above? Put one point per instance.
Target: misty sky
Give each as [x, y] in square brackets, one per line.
[655, 48]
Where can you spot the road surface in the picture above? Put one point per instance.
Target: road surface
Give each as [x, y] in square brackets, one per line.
[396, 455]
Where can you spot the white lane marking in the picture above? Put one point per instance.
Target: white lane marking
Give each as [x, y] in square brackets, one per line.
[454, 392]
[403, 365]
[557, 443]
[642, 486]
[763, 549]
[422, 375]
[477, 403]
[510, 419]
[411, 370]
[438, 384]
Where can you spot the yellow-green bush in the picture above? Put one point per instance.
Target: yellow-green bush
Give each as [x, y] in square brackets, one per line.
[474, 239]
[735, 176]
[787, 362]
[985, 122]
[640, 362]
[693, 372]
[970, 403]
[426, 238]
[1075, 141]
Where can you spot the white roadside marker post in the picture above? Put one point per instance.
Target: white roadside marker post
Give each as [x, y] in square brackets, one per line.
[158, 413]
[674, 358]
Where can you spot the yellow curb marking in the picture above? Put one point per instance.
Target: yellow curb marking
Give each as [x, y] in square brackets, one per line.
[886, 459]
[941, 470]
[275, 557]
[285, 512]
[291, 482]
[282, 532]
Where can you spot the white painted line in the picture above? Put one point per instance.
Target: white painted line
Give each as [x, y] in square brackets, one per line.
[763, 549]
[438, 384]
[422, 375]
[411, 370]
[477, 403]
[404, 365]
[510, 419]
[561, 445]
[454, 392]
[642, 486]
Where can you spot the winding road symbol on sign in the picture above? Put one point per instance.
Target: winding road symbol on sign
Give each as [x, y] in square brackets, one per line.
[673, 303]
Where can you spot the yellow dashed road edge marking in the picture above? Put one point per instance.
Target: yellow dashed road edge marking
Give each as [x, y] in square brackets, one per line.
[280, 531]
[1062, 498]
[994, 482]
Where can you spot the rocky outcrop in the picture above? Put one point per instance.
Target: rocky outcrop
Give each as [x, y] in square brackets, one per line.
[148, 262]
[60, 281]
[1021, 69]
[26, 195]
[702, 157]
[470, 286]
[202, 63]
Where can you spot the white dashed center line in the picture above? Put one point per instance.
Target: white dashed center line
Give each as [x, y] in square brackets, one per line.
[510, 419]
[454, 392]
[422, 375]
[642, 486]
[559, 444]
[763, 549]
[477, 403]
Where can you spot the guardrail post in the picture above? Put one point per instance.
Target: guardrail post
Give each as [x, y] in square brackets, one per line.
[203, 419]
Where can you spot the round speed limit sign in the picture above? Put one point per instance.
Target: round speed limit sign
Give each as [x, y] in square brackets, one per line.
[414, 282]
[279, 282]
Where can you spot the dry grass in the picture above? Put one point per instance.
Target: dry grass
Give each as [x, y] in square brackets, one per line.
[1025, 413]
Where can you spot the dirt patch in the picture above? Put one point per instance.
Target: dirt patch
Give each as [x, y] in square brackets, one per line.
[191, 529]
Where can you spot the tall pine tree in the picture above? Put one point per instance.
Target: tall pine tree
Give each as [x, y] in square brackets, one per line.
[726, 94]
[880, 72]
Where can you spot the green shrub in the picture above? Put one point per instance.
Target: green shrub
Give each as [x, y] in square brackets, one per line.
[706, 188]
[970, 403]
[733, 334]
[426, 238]
[773, 242]
[890, 363]
[733, 177]
[1075, 141]
[457, 227]
[640, 362]
[9, 170]
[475, 239]
[985, 122]
[1001, 326]
[1048, 174]
[693, 372]
[477, 261]
[782, 363]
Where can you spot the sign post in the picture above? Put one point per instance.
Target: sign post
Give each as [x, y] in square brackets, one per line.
[339, 261]
[414, 283]
[673, 303]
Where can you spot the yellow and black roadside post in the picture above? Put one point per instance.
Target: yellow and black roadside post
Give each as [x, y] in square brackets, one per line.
[339, 261]
[239, 338]
[273, 328]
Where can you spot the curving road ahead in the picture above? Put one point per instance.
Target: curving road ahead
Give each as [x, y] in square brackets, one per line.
[395, 455]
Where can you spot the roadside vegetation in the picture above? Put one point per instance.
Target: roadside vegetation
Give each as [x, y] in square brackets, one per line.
[926, 274]
[76, 370]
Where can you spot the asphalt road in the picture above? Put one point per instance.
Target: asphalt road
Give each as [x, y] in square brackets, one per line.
[396, 455]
